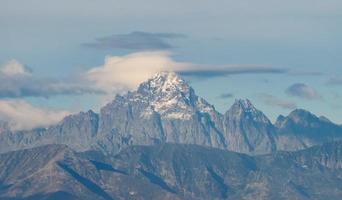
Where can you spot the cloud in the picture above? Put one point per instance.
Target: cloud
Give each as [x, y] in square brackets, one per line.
[17, 81]
[305, 73]
[335, 81]
[17, 88]
[274, 101]
[14, 68]
[117, 74]
[302, 90]
[136, 41]
[226, 96]
[217, 71]
[126, 72]
[22, 116]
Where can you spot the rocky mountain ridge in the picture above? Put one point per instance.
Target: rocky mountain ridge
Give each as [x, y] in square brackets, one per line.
[165, 109]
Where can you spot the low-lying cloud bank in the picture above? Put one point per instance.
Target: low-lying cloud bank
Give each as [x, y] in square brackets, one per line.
[17, 81]
[21, 115]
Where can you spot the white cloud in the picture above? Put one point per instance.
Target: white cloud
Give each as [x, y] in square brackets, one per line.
[21, 115]
[14, 68]
[126, 72]
[17, 81]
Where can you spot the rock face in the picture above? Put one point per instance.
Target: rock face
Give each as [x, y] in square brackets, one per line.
[302, 129]
[4, 127]
[35, 174]
[248, 130]
[171, 171]
[165, 109]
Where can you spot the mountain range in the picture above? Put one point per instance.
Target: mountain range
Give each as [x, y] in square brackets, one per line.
[162, 141]
[165, 109]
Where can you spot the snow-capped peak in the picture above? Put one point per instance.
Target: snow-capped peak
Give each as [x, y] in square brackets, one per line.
[165, 93]
[164, 82]
[169, 95]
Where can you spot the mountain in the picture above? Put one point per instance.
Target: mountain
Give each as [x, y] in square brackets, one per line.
[171, 171]
[36, 174]
[165, 109]
[302, 129]
[248, 130]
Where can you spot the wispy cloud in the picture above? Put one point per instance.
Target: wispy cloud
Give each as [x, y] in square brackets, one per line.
[305, 73]
[17, 81]
[302, 90]
[335, 81]
[21, 115]
[217, 71]
[136, 41]
[226, 96]
[275, 101]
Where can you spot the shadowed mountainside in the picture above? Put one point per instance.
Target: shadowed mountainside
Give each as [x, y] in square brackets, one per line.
[171, 171]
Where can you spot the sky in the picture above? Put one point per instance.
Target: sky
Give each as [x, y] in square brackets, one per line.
[62, 57]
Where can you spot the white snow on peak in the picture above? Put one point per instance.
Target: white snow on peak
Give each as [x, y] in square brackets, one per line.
[171, 96]
[167, 82]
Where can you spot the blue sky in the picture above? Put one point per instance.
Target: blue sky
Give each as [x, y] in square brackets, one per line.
[59, 40]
